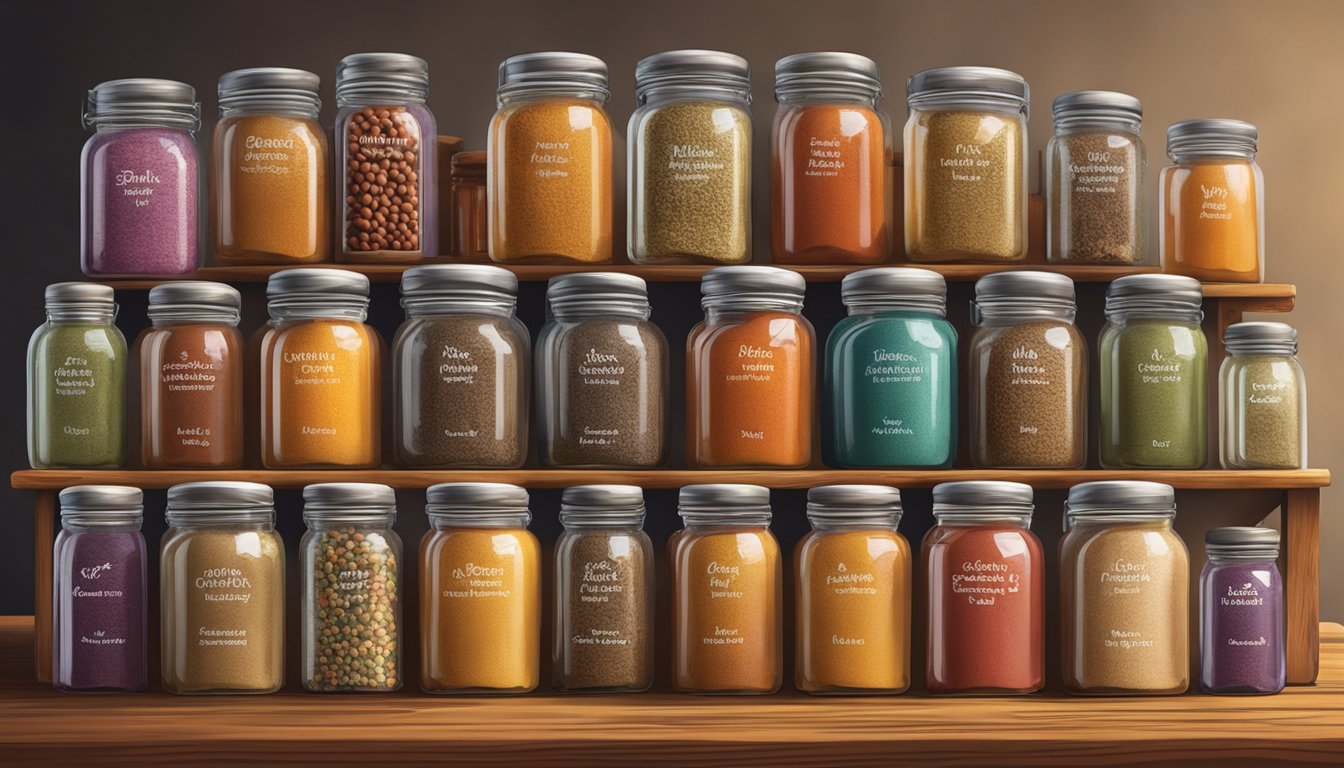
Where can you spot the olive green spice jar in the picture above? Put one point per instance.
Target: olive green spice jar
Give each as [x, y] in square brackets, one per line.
[1262, 399]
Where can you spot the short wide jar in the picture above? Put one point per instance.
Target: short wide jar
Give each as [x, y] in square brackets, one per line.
[1242, 646]
[1213, 202]
[1262, 398]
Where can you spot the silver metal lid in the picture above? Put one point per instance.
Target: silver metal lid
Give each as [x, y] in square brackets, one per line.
[854, 504]
[194, 301]
[1024, 293]
[837, 71]
[316, 285]
[1156, 294]
[220, 500]
[602, 504]
[752, 288]
[1216, 137]
[457, 287]
[554, 70]
[724, 502]
[75, 296]
[968, 81]
[279, 88]
[1242, 543]
[379, 75]
[1260, 338]
[692, 67]
[1096, 105]
[95, 498]
[1121, 497]
[454, 499]
[592, 294]
[328, 502]
[982, 493]
[143, 99]
[893, 288]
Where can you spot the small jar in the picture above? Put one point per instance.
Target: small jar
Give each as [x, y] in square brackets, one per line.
[1213, 206]
[601, 374]
[77, 381]
[828, 170]
[986, 598]
[1028, 373]
[1124, 591]
[749, 371]
[320, 369]
[138, 180]
[891, 372]
[480, 591]
[271, 196]
[690, 159]
[1096, 180]
[191, 378]
[1241, 613]
[966, 165]
[1262, 398]
[351, 611]
[727, 582]
[549, 167]
[386, 141]
[460, 369]
[853, 588]
[604, 593]
[471, 219]
[222, 590]
[99, 633]
[1154, 374]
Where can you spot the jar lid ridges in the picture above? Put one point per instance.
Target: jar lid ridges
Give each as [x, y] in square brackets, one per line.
[828, 70]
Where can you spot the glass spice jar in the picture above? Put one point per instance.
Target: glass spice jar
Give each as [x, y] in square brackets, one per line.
[471, 219]
[138, 180]
[272, 200]
[191, 377]
[966, 165]
[986, 591]
[828, 148]
[604, 594]
[749, 371]
[99, 632]
[1213, 206]
[690, 159]
[1262, 399]
[550, 165]
[1096, 180]
[386, 140]
[1028, 373]
[77, 381]
[1124, 591]
[1241, 613]
[1154, 374]
[460, 369]
[350, 558]
[601, 374]
[222, 590]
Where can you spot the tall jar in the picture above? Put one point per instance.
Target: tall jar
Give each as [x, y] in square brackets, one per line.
[191, 377]
[272, 200]
[601, 374]
[1028, 373]
[1096, 180]
[727, 583]
[320, 372]
[1124, 591]
[350, 558]
[549, 168]
[1241, 613]
[690, 159]
[986, 591]
[480, 591]
[1154, 374]
[966, 165]
[604, 592]
[77, 381]
[891, 372]
[460, 369]
[138, 180]
[99, 632]
[222, 590]
[853, 589]
[828, 171]
[1213, 206]
[471, 211]
[749, 371]
[386, 140]
[1262, 398]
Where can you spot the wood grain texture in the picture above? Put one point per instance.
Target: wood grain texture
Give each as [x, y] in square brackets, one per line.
[44, 535]
[1301, 547]
[42, 728]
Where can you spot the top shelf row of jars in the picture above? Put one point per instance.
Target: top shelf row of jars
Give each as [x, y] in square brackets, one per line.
[542, 193]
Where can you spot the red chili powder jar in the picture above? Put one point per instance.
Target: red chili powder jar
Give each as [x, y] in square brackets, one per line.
[986, 591]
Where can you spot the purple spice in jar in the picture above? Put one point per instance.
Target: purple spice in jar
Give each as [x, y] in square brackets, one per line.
[1241, 613]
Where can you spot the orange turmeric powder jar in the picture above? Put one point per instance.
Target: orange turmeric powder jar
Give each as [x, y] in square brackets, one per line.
[749, 371]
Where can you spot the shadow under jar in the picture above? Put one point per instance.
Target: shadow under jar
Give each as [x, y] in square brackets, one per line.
[460, 369]
[1262, 398]
[1241, 613]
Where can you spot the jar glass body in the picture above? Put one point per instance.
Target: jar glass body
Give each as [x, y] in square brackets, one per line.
[77, 395]
[191, 395]
[471, 221]
[99, 629]
[1213, 219]
[1241, 627]
[891, 390]
[1262, 403]
[1096, 179]
[549, 179]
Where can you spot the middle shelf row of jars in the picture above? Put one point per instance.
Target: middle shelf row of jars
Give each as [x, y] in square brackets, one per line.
[464, 374]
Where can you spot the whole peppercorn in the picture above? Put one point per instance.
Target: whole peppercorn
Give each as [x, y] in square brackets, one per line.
[354, 588]
[383, 187]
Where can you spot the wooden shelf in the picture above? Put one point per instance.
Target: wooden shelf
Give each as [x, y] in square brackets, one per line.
[150, 729]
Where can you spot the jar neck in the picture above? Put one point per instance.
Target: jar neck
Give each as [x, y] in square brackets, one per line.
[442, 306]
[825, 97]
[593, 96]
[991, 517]
[721, 312]
[480, 521]
[1161, 520]
[1267, 559]
[128, 522]
[330, 520]
[673, 92]
[355, 311]
[225, 522]
[875, 522]
[74, 316]
[123, 123]
[623, 525]
[1224, 156]
[891, 308]
[1076, 124]
[968, 101]
[270, 109]
[1181, 315]
[581, 311]
[1285, 352]
[999, 314]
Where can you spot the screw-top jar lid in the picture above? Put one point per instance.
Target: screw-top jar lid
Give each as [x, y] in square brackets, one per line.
[1154, 294]
[691, 67]
[313, 291]
[194, 301]
[143, 100]
[854, 504]
[611, 505]
[1215, 137]
[1025, 294]
[1242, 543]
[354, 502]
[483, 505]
[895, 288]
[278, 89]
[752, 288]
[593, 294]
[968, 83]
[726, 503]
[828, 72]
[1095, 105]
[436, 287]
[1110, 499]
[365, 76]
[976, 501]
[220, 501]
[80, 301]
[102, 505]
[470, 163]
[554, 71]
[1260, 338]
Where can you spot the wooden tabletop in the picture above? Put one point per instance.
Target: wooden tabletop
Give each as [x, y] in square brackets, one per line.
[44, 728]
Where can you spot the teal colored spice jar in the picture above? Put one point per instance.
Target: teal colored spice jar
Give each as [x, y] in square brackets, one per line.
[77, 381]
[1154, 374]
[891, 372]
